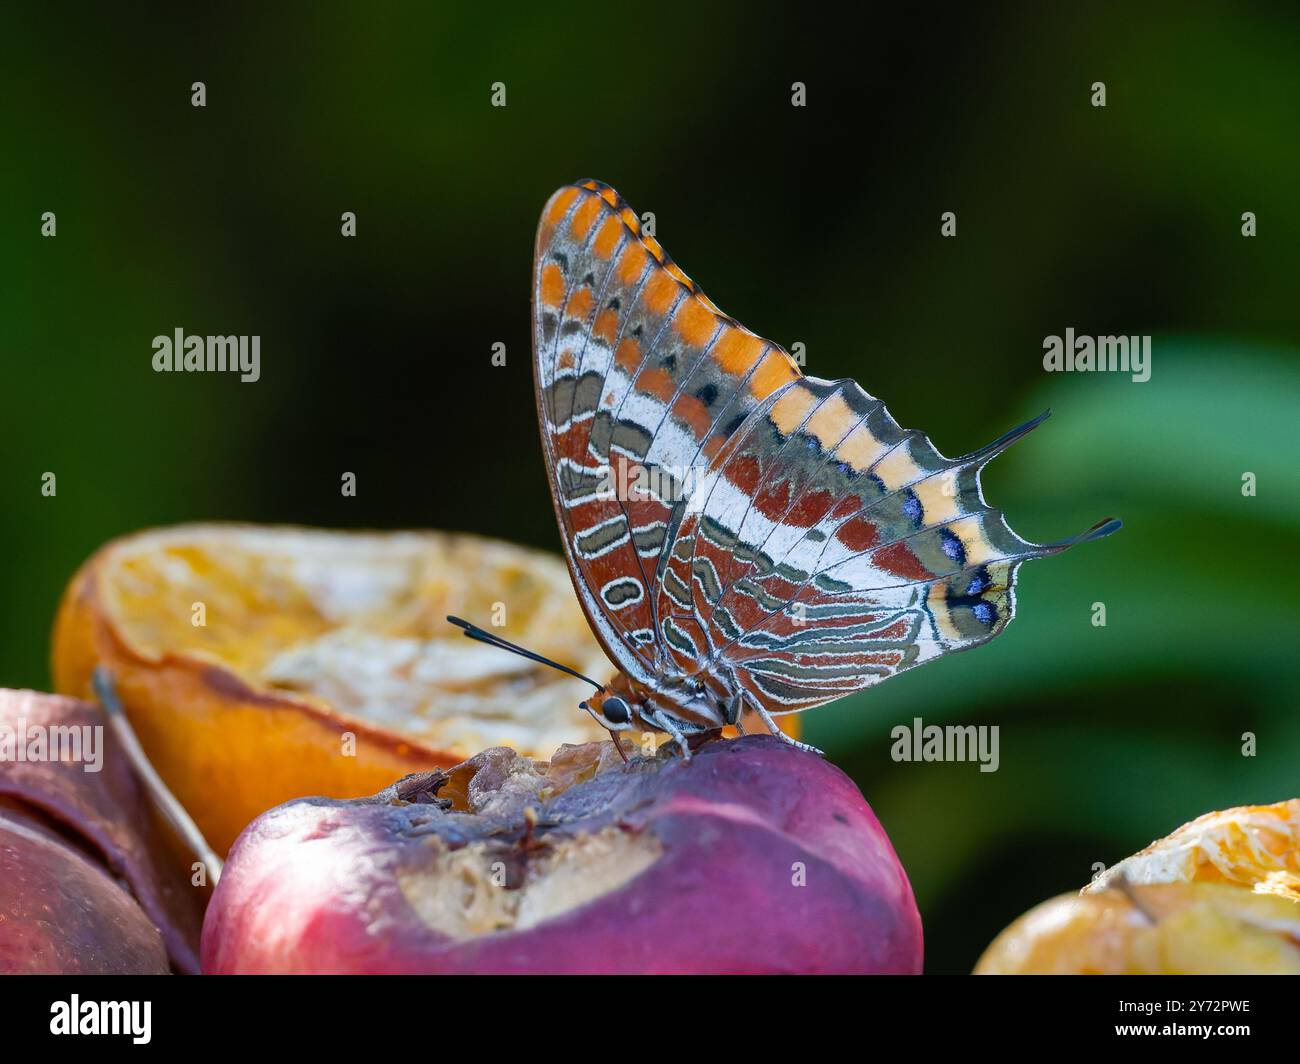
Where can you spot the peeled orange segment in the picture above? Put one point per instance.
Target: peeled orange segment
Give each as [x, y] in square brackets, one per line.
[264, 664]
[1255, 846]
[1221, 894]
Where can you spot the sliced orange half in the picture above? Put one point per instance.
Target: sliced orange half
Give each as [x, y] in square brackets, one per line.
[1254, 846]
[260, 664]
[264, 664]
[1221, 894]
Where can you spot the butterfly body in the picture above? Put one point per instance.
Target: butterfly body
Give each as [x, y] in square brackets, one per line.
[673, 703]
[740, 535]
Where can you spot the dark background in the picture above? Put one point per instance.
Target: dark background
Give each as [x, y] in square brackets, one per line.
[818, 225]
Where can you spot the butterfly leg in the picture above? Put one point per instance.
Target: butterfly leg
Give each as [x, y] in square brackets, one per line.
[733, 711]
[666, 723]
[775, 729]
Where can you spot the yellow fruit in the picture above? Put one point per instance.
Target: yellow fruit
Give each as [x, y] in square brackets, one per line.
[1219, 895]
[1174, 928]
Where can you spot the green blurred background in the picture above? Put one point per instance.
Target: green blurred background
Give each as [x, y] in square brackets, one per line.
[818, 225]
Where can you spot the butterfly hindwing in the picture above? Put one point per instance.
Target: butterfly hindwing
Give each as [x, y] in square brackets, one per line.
[863, 551]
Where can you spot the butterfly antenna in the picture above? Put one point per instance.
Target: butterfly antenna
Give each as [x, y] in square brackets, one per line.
[473, 631]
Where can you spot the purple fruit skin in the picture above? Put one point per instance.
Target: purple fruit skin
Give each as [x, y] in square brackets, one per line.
[61, 914]
[311, 885]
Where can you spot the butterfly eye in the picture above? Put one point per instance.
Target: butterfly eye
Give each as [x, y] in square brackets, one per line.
[616, 711]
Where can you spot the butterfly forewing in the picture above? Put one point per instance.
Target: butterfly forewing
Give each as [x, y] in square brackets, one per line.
[640, 382]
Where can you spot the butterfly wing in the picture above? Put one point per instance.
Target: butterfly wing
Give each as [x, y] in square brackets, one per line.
[792, 536]
[639, 381]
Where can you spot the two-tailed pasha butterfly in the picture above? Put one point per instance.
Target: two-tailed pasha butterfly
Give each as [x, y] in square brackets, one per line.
[740, 535]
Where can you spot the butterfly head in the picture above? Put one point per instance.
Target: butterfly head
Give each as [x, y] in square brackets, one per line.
[612, 710]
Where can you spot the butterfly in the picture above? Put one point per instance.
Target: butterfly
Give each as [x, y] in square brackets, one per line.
[740, 535]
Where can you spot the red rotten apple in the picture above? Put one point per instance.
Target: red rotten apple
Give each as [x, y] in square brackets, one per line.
[751, 857]
[61, 913]
[91, 880]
